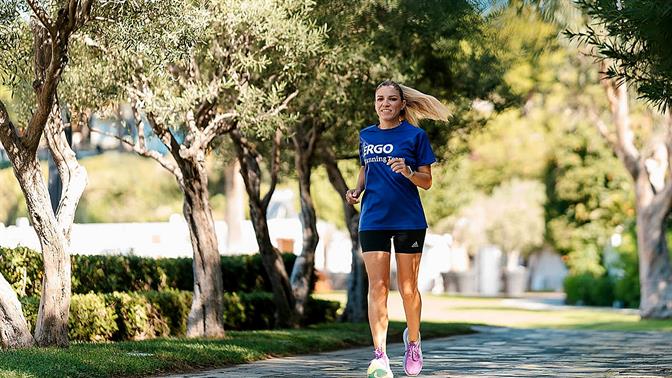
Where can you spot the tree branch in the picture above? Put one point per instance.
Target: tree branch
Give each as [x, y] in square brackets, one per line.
[73, 176]
[9, 135]
[41, 16]
[141, 150]
[217, 127]
[283, 106]
[275, 167]
[618, 102]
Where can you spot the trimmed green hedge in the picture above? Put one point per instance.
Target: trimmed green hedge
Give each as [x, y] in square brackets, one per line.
[588, 289]
[22, 267]
[135, 316]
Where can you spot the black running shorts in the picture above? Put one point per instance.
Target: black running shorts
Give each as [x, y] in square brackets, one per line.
[405, 241]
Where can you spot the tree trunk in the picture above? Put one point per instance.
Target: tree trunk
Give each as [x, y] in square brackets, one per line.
[305, 263]
[653, 199]
[655, 273]
[270, 256]
[52, 318]
[356, 309]
[14, 332]
[206, 317]
[235, 189]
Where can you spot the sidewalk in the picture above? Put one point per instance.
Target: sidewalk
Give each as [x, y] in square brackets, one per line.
[494, 352]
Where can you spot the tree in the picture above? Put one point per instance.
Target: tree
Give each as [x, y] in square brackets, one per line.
[51, 31]
[635, 37]
[250, 154]
[633, 50]
[233, 82]
[50, 38]
[648, 168]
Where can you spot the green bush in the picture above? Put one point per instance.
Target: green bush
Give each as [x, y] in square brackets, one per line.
[590, 290]
[132, 316]
[30, 306]
[626, 288]
[106, 274]
[137, 317]
[173, 305]
[321, 311]
[22, 268]
[259, 310]
[91, 319]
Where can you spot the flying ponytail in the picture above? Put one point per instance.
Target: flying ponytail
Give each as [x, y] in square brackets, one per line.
[418, 105]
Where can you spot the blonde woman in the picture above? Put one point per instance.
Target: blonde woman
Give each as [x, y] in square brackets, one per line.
[395, 158]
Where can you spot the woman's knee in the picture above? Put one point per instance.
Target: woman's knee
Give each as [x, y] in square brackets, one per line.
[409, 292]
[378, 288]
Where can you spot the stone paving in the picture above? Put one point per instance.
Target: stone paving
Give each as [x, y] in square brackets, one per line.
[493, 352]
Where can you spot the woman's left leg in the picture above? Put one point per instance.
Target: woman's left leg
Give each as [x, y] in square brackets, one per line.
[408, 265]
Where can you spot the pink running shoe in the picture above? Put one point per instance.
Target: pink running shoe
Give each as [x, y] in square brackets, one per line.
[412, 355]
[379, 366]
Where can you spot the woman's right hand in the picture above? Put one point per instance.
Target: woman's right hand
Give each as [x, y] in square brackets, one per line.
[352, 196]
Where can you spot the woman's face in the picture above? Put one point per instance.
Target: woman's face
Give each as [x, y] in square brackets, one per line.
[389, 103]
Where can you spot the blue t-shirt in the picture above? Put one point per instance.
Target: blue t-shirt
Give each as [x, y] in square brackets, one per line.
[391, 201]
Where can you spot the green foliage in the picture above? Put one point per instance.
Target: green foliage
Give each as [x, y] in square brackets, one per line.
[627, 288]
[589, 289]
[173, 305]
[453, 188]
[107, 274]
[137, 318]
[635, 35]
[22, 268]
[589, 194]
[91, 318]
[134, 316]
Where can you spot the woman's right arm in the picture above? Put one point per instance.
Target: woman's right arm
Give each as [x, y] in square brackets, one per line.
[352, 195]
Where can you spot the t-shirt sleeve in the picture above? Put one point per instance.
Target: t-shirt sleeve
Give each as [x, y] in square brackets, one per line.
[361, 154]
[424, 150]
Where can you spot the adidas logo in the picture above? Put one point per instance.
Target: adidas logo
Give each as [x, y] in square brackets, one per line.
[415, 245]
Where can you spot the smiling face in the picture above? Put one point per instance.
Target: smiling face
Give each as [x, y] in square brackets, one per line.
[388, 104]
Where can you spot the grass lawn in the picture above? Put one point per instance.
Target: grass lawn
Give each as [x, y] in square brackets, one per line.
[153, 357]
[510, 313]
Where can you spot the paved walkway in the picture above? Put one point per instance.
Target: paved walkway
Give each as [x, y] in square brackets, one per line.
[494, 352]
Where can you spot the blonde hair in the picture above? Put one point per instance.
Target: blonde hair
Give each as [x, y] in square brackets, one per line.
[418, 105]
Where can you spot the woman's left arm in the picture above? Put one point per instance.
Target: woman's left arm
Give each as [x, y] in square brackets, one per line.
[422, 177]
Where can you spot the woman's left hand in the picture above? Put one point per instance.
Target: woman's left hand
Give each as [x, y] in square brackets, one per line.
[399, 165]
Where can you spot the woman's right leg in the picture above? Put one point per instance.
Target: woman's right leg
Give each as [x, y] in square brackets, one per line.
[378, 269]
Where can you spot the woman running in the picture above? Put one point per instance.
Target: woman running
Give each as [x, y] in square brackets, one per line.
[395, 157]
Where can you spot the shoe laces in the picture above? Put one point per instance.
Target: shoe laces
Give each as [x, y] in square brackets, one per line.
[414, 351]
[378, 353]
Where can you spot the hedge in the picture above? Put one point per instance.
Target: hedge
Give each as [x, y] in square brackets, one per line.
[135, 316]
[22, 267]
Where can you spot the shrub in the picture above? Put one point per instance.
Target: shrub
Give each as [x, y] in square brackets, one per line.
[588, 289]
[91, 319]
[106, 274]
[30, 306]
[259, 310]
[137, 318]
[626, 289]
[173, 306]
[23, 269]
[133, 316]
[321, 311]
